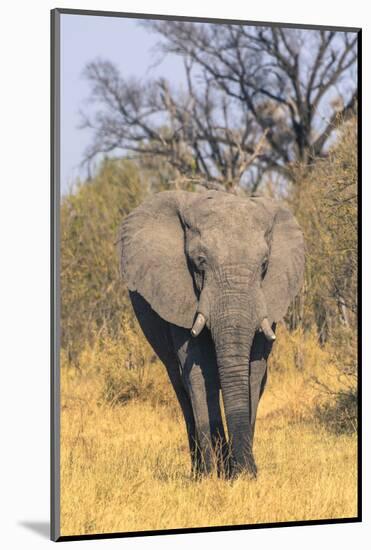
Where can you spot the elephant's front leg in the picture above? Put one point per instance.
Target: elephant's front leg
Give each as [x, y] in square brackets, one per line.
[186, 406]
[200, 378]
[209, 425]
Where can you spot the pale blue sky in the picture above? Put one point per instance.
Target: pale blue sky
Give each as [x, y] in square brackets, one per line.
[123, 42]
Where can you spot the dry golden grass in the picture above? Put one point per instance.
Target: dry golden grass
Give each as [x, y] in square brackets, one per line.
[127, 468]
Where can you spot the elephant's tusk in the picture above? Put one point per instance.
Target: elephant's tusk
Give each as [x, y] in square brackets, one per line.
[268, 332]
[198, 325]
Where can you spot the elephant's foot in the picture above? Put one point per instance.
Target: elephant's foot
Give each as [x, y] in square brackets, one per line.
[209, 466]
[210, 460]
[200, 471]
[247, 467]
[223, 469]
[201, 467]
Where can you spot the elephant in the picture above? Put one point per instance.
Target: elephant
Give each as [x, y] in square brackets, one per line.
[209, 275]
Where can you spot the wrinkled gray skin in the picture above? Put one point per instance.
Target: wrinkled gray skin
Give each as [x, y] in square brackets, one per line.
[236, 261]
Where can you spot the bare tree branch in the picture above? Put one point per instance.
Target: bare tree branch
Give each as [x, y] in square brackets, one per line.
[254, 103]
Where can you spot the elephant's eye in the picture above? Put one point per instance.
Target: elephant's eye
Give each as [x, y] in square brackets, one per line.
[200, 261]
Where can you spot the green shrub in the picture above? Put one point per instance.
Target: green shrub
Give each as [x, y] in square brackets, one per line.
[93, 297]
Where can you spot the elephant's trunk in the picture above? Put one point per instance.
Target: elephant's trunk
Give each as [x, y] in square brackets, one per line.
[233, 329]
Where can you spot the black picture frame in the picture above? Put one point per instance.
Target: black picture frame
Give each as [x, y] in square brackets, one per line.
[55, 279]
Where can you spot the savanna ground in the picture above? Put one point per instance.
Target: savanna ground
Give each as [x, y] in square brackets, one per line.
[125, 461]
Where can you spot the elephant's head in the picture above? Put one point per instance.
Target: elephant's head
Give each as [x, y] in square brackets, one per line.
[213, 258]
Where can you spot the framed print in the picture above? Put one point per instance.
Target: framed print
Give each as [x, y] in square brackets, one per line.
[205, 274]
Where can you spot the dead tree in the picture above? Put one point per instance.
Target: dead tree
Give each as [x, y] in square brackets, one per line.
[257, 100]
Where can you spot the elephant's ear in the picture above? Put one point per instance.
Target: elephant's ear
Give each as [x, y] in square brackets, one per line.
[152, 257]
[284, 275]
